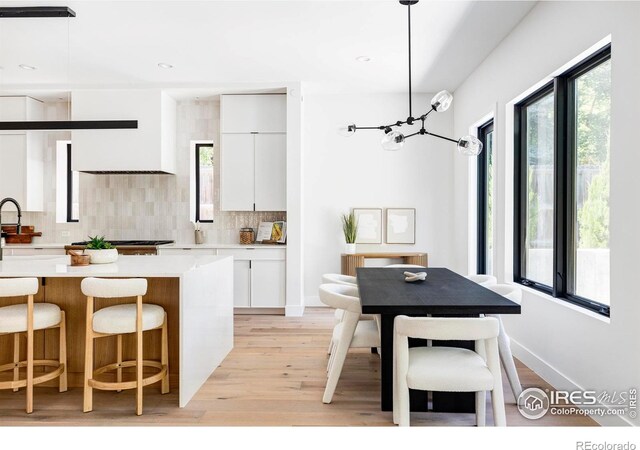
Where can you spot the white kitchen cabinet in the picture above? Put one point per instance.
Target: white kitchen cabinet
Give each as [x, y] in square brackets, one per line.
[237, 172]
[241, 284]
[267, 284]
[150, 148]
[253, 172]
[22, 154]
[271, 172]
[260, 113]
[34, 251]
[186, 251]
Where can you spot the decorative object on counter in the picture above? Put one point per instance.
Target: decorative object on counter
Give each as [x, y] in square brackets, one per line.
[78, 259]
[27, 233]
[369, 225]
[401, 226]
[411, 277]
[350, 230]
[199, 234]
[394, 140]
[264, 231]
[101, 251]
[246, 236]
[279, 232]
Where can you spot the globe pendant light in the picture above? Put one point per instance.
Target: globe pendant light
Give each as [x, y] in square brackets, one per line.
[394, 140]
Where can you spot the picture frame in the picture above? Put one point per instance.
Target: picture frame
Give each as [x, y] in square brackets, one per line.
[369, 225]
[400, 226]
[279, 232]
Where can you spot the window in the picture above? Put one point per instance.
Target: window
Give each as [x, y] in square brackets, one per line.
[562, 185]
[485, 199]
[204, 182]
[73, 190]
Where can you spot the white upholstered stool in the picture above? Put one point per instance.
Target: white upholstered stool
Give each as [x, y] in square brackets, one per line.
[483, 280]
[26, 318]
[119, 320]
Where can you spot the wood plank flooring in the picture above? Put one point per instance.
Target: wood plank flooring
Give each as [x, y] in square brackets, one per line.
[274, 376]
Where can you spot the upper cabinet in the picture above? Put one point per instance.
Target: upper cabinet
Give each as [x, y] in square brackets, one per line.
[253, 159]
[261, 113]
[22, 154]
[151, 148]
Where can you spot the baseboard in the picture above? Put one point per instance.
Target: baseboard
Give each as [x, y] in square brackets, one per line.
[559, 381]
[294, 310]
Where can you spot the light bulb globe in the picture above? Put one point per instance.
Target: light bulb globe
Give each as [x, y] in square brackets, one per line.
[469, 146]
[392, 141]
[441, 101]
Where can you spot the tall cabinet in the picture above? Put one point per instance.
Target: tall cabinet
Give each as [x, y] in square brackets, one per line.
[253, 159]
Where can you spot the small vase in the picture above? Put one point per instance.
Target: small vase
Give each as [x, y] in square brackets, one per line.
[104, 256]
[350, 249]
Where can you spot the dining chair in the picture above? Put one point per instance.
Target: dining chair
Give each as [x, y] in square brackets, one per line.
[348, 280]
[351, 332]
[514, 294]
[447, 369]
[483, 280]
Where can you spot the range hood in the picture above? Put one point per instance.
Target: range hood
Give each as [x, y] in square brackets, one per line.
[148, 149]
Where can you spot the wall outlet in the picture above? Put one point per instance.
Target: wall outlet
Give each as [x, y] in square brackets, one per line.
[65, 234]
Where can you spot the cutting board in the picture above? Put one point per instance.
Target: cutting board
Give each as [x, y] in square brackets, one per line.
[27, 232]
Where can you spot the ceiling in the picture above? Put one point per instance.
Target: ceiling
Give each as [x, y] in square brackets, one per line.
[120, 43]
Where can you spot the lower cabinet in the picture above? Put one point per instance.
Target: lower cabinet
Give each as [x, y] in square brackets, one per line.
[31, 251]
[258, 274]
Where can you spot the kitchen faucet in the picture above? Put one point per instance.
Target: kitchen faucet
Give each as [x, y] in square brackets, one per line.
[18, 225]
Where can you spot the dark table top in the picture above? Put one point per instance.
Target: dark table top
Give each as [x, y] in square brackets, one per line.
[384, 291]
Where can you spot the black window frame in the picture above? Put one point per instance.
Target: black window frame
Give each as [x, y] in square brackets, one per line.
[483, 194]
[563, 88]
[70, 218]
[198, 146]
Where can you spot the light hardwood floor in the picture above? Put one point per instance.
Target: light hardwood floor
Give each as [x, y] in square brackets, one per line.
[274, 376]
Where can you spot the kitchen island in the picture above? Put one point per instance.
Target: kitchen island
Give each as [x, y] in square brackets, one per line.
[195, 291]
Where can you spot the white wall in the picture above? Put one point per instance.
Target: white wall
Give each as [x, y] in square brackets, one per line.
[341, 173]
[566, 345]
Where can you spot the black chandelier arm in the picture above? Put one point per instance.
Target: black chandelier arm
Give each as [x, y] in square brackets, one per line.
[442, 137]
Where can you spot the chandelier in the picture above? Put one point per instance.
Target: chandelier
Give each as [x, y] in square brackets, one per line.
[394, 139]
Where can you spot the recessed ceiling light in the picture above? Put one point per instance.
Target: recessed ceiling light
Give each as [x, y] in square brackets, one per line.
[27, 67]
[165, 66]
[364, 58]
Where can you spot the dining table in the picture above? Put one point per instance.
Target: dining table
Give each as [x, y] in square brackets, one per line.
[444, 293]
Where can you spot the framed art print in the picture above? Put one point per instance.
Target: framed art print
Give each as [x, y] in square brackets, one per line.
[369, 222]
[401, 226]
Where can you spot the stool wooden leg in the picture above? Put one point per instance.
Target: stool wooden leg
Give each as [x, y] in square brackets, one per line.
[88, 358]
[16, 358]
[30, 355]
[139, 359]
[165, 355]
[63, 352]
[119, 361]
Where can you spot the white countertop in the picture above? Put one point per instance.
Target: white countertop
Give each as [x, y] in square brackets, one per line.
[212, 246]
[148, 266]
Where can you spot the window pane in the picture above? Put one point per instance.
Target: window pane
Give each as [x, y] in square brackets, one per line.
[489, 224]
[205, 154]
[539, 220]
[593, 120]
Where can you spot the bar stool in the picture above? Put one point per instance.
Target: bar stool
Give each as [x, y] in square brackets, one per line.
[119, 320]
[26, 318]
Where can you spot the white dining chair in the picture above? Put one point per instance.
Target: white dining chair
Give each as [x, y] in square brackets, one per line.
[483, 280]
[447, 369]
[351, 332]
[513, 293]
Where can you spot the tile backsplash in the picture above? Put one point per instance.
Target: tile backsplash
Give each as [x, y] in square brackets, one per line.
[142, 206]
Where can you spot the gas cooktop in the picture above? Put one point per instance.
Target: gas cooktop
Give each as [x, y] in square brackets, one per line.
[130, 243]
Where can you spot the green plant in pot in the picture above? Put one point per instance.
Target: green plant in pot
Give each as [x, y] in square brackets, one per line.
[101, 251]
[350, 230]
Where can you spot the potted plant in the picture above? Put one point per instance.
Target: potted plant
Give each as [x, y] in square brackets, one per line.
[101, 251]
[350, 229]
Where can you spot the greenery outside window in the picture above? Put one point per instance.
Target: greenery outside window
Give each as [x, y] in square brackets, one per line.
[204, 183]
